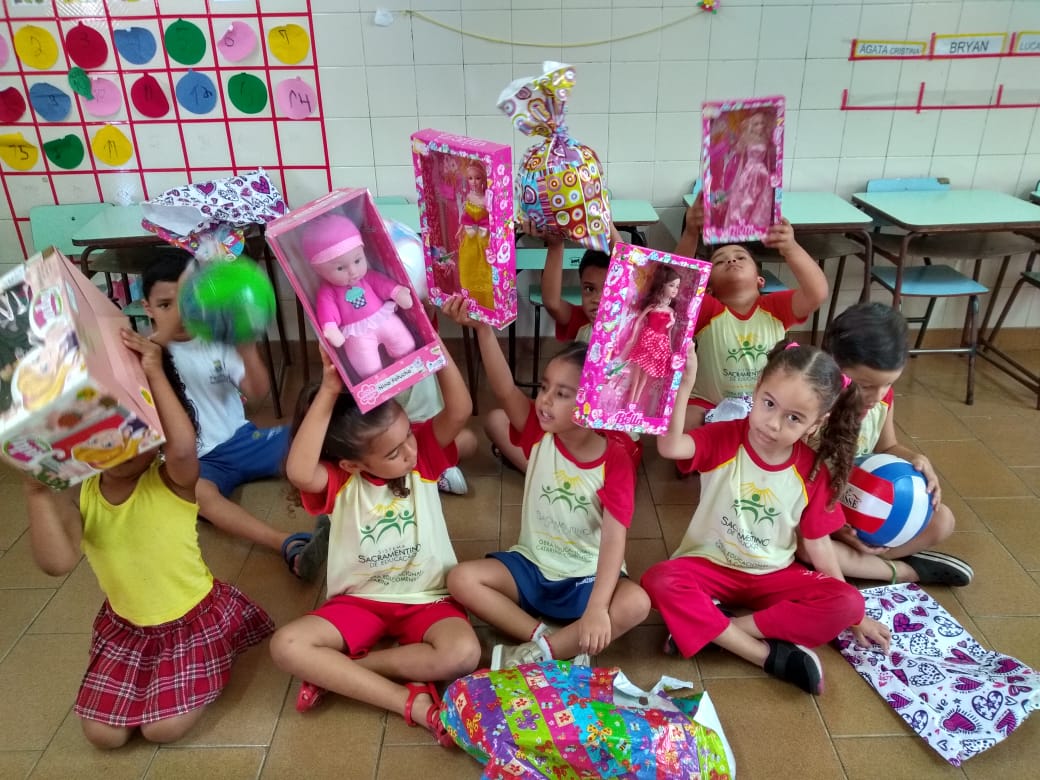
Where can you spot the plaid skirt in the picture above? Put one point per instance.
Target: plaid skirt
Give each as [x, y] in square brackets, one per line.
[143, 674]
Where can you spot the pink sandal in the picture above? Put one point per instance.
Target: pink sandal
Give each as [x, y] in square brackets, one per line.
[433, 714]
[309, 696]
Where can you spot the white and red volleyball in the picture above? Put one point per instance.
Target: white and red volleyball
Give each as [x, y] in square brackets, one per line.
[886, 500]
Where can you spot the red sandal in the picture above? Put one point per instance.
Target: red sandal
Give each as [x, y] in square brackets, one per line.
[433, 714]
[309, 696]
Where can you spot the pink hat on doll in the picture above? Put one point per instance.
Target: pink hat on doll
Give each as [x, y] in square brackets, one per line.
[330, 237]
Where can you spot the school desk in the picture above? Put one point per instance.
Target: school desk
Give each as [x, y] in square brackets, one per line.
[630, 215]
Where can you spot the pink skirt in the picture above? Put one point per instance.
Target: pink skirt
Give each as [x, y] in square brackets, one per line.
[144, 674]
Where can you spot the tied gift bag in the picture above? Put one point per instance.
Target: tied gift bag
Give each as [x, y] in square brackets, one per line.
[562, 720]
[559, 181]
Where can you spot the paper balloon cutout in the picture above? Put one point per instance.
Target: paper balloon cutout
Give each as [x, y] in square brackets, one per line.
[195, 91]
[107, 98]
[65, 152]
[247, 92]
[4, 51]
[35, 47]
[237, 42]
[149, 98]
[12, 105]
[136, 45]
[111, 146]
[80, 83]
[86, 47]
[295, 99]
[17, 152]
[289, 43]
[185, 42]
[49, 102]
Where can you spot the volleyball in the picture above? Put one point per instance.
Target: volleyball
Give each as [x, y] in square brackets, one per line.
[227, 300]
[886, 500]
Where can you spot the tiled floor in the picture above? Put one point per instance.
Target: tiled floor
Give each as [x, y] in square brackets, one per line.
[987, 455]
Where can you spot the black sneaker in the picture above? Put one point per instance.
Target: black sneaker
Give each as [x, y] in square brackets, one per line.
[936, 568]
[795, 664]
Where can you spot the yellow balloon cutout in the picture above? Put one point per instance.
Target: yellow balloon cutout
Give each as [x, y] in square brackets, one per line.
[36, 47]
[17, 152]
[111, 146]
[289, 43]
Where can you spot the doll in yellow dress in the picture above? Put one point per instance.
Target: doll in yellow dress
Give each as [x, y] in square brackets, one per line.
[473, 234]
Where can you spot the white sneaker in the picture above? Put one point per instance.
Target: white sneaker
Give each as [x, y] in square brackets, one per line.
[511, 656]
[453, 481]
[582, 659]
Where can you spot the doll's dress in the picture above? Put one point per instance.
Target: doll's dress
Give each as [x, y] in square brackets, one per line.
[474, 271]
[653, 351]
[751, 196]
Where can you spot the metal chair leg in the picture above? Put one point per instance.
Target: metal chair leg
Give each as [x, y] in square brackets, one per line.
[973, 309]
[924, 323]
[536, 357]
[276, 390]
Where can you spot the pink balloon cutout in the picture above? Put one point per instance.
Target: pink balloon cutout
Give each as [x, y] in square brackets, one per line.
[107, 98]
[4, 51]
[237, 42]
[296, 99]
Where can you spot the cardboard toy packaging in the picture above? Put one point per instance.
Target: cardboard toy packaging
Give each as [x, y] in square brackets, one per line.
[465, 189]
[637, 352]
[73, 399]
[355, 290]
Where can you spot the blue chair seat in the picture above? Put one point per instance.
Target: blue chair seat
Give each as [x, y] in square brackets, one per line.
[928, 281]
[773, 283]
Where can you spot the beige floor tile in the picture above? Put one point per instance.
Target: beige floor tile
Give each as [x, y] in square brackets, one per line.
[224, 554]
[1011, 441]
[893, 758]
[644, 518]
[640, 655]
[19, 609]
[1018, 637]
[1016, 757]
[70, 755]
[474, 515]
[715, 663]
[407, 762]
[674, 520]
[269, 583]
[15, 519]
[1000, 586]
[851, 707]
[74, 606]
[510, 526]
[1031, 477]
[965, 518]
[227, 763]
[1014, 522]
[512, 487]
[17, 764]
[19, 570]
[929, 419]
[641, 554]
[970, 468]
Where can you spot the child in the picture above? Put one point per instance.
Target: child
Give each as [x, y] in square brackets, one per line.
[232, 450]
[869, 342]
[737, 325]
[167, 634]
[578, 502]
[762, 488]
[376, 474]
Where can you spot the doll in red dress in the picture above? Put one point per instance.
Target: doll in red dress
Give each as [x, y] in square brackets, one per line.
[649, 349]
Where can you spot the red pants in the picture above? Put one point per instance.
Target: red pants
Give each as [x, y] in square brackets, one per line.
[794, 604]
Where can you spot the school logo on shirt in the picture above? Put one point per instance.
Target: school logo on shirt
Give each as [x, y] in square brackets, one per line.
[218, 375]
[564, 490]
[759, 504]
[391, 518]
[747, 346]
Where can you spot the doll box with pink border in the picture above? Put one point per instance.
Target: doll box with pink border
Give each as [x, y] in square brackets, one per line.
[643, 328]
[382, 352]
[73, 399]
[742, 162]
[465, 189]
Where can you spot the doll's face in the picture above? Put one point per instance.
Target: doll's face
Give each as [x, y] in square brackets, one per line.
[476, 181]
[670, 290]
[344, 270]
[757, 125]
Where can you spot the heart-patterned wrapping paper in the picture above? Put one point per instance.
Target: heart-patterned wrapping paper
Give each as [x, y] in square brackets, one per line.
[958, 696]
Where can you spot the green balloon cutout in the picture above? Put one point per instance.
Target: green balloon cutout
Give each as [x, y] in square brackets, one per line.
[248, 93]
[80, 83]
[65, 152]
[185, 42]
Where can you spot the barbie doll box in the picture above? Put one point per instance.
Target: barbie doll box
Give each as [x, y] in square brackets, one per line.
[73, 399]
[465, 189]
[742, 161]
[352, 284]
[638, 347]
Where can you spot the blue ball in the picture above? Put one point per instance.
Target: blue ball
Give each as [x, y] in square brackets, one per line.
[886, 501]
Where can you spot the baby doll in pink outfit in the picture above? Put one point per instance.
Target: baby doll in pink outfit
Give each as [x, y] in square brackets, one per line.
[354, 302]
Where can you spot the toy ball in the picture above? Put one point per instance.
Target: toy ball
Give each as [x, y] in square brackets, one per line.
[886, 501]
[230, 301]
[410, 249]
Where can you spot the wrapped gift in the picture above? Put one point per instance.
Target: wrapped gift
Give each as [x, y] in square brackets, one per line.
[559, 181]
[73, 399]
[465, 189]
[742, 165]
[344, 267]
[637, 352]
[561, 720]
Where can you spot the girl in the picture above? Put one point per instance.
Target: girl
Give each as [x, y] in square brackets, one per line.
[167, 634]
[761, 488]
[473, 236]
[375, 474]
[869, 342]
[649, 349]
[578, 501]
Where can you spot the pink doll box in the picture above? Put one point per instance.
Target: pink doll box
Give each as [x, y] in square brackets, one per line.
[741, 167]
[465, 189]
[406, 347]
[73, 399]
[638, 347]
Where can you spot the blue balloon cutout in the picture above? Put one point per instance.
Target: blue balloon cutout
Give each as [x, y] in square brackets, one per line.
[136, 45]
[195, 91]
[49, 101]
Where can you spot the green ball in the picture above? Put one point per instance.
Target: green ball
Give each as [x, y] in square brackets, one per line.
[231, 301]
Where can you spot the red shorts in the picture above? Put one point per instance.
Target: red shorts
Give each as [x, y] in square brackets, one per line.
[363, 622]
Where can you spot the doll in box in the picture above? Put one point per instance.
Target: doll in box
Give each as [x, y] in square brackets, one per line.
[353, 301]
[473, 236]
[750, 196]
[649, 349]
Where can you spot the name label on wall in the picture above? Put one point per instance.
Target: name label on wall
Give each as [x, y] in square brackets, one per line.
[971, 45]
[881, 49]
[1027, 42]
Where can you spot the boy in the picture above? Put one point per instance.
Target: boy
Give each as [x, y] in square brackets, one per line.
[737, 324]
[232, 451]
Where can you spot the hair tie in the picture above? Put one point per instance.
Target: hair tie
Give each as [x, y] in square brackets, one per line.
[792, 345]
[846, 380]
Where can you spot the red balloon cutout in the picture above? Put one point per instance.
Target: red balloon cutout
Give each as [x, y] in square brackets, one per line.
[86, 47]
[12, 105]
[148, 97]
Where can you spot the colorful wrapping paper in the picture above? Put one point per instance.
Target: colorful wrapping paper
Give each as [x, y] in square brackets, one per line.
[958, 696]
[564, 721]
[559, 180]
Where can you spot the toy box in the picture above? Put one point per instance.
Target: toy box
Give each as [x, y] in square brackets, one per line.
[73, 399]
[638, 347]
[465, 189]
[355, 290]
[742, 164]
